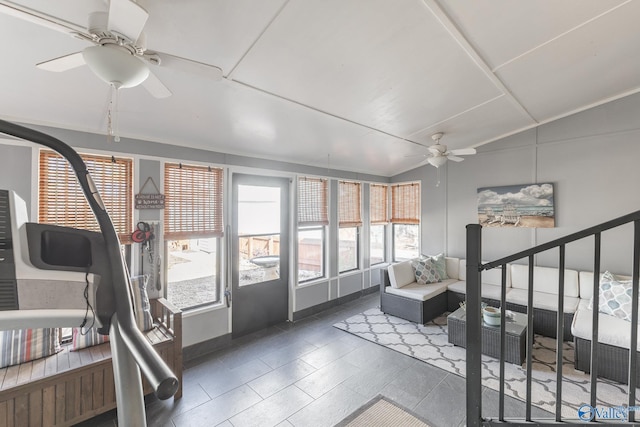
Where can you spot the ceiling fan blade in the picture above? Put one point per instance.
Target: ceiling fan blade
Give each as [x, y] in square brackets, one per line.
[155, 87]
[63, 63]
[206, 71]
[42, 19]
[454, 158]
[127, 18]
[464, 151]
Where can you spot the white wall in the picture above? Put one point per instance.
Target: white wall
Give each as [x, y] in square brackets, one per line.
[590, 157]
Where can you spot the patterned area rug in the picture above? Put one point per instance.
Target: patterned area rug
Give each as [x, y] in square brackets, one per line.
[380, 412]
[429, 343]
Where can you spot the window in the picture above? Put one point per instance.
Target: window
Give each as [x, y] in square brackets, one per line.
[349, 221]
[312, 223]
[62, 202]
[405, 217]
[378, 208]
[193, 230]
[259, 222]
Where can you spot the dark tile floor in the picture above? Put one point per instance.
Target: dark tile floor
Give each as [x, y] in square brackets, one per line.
[310, 374]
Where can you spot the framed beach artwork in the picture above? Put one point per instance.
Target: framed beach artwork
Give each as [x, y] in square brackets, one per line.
[529, 205]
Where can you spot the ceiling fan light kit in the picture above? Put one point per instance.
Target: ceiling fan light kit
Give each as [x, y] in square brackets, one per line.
[437, 161]
[115, 66]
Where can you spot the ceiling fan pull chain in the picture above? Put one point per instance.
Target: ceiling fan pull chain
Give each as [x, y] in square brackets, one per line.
[116, 95]
[109, 121]
[112, 115]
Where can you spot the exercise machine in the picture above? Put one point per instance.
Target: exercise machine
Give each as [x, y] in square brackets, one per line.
[52, 276]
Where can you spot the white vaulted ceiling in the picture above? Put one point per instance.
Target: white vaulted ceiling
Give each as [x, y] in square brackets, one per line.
[363, 83]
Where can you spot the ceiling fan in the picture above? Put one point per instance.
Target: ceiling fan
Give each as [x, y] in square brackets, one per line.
[119, 55]
[439, 154]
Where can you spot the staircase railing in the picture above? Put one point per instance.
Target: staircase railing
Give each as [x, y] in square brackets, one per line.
[474, 328]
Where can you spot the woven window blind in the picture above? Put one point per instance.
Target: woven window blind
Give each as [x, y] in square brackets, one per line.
[312, 201]
[349, 212]
[405, 203]
[193, 201]
[378, 204]
[62, 202]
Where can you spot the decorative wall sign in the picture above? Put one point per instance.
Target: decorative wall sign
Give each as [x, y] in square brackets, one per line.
[149, 201]
[529, 205]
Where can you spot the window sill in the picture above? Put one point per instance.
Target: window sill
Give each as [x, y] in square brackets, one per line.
[379, 265]
[214, 306]
[313, 282]
[350, 272]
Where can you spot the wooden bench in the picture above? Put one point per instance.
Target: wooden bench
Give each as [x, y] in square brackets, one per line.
[73, 386]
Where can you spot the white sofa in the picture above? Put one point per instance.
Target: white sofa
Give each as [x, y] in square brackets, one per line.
[613, 336]
[401, 296]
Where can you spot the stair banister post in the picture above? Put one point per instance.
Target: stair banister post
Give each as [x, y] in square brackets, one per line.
[474, 326]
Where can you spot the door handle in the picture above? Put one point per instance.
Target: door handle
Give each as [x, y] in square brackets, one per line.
[227, 297]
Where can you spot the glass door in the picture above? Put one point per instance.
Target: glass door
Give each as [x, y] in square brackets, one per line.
[260, 236]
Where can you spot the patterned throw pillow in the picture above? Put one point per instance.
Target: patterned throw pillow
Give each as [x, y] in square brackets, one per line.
[425, 271]
[440, 264]
[615, 297]
[83, 339]
[22, 345]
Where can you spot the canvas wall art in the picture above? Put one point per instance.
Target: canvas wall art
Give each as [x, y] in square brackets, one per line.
[529, 205]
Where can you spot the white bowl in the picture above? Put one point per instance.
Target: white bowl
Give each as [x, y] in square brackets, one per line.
[491, 316]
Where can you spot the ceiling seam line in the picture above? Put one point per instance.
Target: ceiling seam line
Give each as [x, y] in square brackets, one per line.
[264, 30]
[466, 46]
[559, 116]
[559, 36]
[458, 115]
[324, 112]
[19, 11]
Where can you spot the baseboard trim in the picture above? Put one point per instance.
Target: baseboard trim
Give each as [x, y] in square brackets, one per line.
[194, 351]
[315, 309]
[203, 348]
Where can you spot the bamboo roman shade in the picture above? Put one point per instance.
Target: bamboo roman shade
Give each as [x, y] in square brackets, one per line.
[62, 202]
[312, 201]
[349, 212]
[378, 204]
[405, 203]
[193, 201]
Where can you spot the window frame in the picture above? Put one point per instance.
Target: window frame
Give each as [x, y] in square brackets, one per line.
[357, 249]
[378, 216]
[405, 210]
[211, 226]
[312, 207]
[323, 251]
[384, 244]
[350, 216]
[393, 238]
